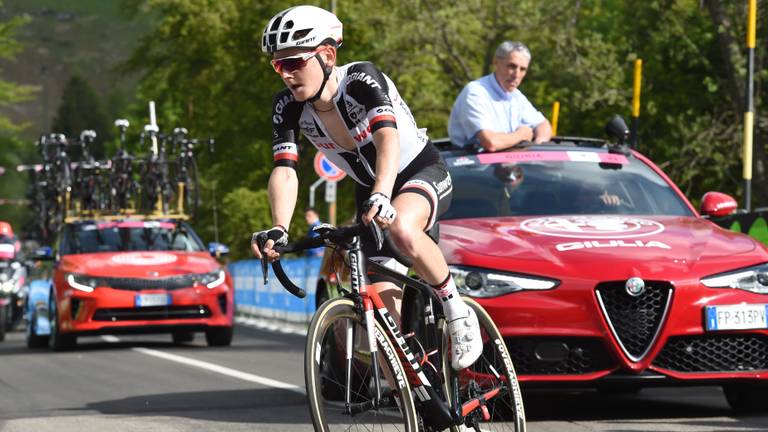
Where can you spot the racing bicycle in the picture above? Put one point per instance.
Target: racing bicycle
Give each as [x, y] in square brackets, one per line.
[364, 371]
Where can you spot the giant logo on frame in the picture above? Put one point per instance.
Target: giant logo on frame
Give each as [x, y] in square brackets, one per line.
[592, 227]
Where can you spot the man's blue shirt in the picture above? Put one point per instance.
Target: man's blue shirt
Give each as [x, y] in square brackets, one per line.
[484, 104]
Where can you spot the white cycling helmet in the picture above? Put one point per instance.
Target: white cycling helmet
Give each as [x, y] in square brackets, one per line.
[302, 27]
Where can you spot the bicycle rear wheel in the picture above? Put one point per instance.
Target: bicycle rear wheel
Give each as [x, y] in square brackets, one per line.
[492, 372]
[325, 374]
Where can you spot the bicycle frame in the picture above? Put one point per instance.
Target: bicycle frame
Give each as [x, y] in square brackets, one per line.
[437, 410]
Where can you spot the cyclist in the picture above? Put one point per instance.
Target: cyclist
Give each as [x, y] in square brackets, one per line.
[354, 115]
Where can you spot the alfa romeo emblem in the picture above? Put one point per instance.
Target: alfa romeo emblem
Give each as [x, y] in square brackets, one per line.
[635, 286]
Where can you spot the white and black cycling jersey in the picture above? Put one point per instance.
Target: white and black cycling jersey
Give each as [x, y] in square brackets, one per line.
[367, 101]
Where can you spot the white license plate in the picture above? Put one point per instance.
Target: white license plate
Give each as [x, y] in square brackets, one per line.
[736, 317]
[145, 300]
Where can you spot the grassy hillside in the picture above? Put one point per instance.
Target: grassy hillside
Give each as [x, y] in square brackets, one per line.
[87, 37]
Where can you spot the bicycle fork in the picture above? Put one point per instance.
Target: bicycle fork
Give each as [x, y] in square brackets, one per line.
[365, 309]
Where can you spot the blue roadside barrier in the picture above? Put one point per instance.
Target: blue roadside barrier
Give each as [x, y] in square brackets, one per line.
[272, 302]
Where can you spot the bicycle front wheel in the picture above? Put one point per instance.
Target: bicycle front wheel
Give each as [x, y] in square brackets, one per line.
[335, 326]
[491, 377]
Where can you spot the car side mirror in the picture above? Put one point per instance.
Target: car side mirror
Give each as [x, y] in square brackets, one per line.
[717, 204]
[44, 253]
[217, 250]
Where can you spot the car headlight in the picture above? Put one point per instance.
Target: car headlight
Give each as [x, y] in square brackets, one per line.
[754, 279]
[213, 279]
[7, 286]
[477, 282]
[82, 282]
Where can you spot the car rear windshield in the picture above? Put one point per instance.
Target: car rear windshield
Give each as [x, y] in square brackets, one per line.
[129, 236]
[533, 183]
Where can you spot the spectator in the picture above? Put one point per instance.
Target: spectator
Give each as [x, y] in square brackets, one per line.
[313, 220]
[492, 112]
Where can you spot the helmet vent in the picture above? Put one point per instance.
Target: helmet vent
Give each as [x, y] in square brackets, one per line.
[300, 34]
[288, 25]
[275, 24]
[283, 37]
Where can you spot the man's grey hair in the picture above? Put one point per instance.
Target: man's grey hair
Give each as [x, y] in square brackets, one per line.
[508, 47]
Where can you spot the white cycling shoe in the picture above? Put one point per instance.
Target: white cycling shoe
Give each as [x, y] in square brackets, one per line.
[466, 342]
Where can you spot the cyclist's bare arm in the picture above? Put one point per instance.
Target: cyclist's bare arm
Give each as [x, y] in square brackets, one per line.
[387, 141]
[283, 192]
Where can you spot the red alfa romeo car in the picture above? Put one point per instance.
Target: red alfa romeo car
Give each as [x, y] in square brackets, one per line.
[131, 276]
[599, 272]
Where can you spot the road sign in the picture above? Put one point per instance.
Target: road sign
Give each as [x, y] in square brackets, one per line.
[326, 169]
[330, 191]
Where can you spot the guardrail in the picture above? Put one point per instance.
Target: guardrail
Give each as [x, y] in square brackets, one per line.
[272, 302]
[754, 224]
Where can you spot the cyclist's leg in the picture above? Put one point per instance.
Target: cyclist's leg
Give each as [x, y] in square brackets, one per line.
[419, 202]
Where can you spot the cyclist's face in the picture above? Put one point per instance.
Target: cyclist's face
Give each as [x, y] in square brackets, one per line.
[300, 70]
[511, 70]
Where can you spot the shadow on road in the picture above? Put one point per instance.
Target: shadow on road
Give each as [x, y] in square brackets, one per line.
[249, 406]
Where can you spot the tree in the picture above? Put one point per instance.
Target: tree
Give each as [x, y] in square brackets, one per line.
[203, 65]
[81, 109]
[14, 150]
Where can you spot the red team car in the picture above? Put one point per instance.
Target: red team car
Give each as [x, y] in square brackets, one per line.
[131, 276]
[600, 273]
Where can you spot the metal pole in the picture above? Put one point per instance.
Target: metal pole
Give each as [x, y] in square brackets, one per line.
[636, 103]
[44, 95]
[749, 115]
[555, 117]
[215, 216]
[312, 188]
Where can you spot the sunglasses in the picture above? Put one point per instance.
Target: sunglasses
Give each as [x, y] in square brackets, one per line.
[293, 63]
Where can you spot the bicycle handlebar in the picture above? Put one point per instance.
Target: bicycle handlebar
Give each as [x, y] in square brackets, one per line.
[328, 235]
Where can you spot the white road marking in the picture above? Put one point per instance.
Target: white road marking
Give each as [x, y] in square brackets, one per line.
[234, 373]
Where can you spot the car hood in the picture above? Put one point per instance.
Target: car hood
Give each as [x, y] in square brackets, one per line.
[597, 241]
[140, 264]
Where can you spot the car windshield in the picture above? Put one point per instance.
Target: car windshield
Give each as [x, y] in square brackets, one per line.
[6, 270]
[542, 182]
[129, 236]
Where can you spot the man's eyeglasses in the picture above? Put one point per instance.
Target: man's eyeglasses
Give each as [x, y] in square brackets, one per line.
[293, 63]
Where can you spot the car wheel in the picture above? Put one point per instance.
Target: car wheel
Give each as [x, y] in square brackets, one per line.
[181, 337]
[58, 341]
[746, 398]
[33, 340]
[219, 336]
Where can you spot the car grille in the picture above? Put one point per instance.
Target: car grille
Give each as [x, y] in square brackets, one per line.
[714, 353]
[634, 321]
[152, 313]
[137, 284]
[582, 355]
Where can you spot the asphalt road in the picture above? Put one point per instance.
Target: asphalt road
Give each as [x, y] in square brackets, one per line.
[145, 383]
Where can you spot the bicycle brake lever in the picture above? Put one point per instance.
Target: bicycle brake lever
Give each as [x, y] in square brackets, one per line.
[378, 234]
[261, 240]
